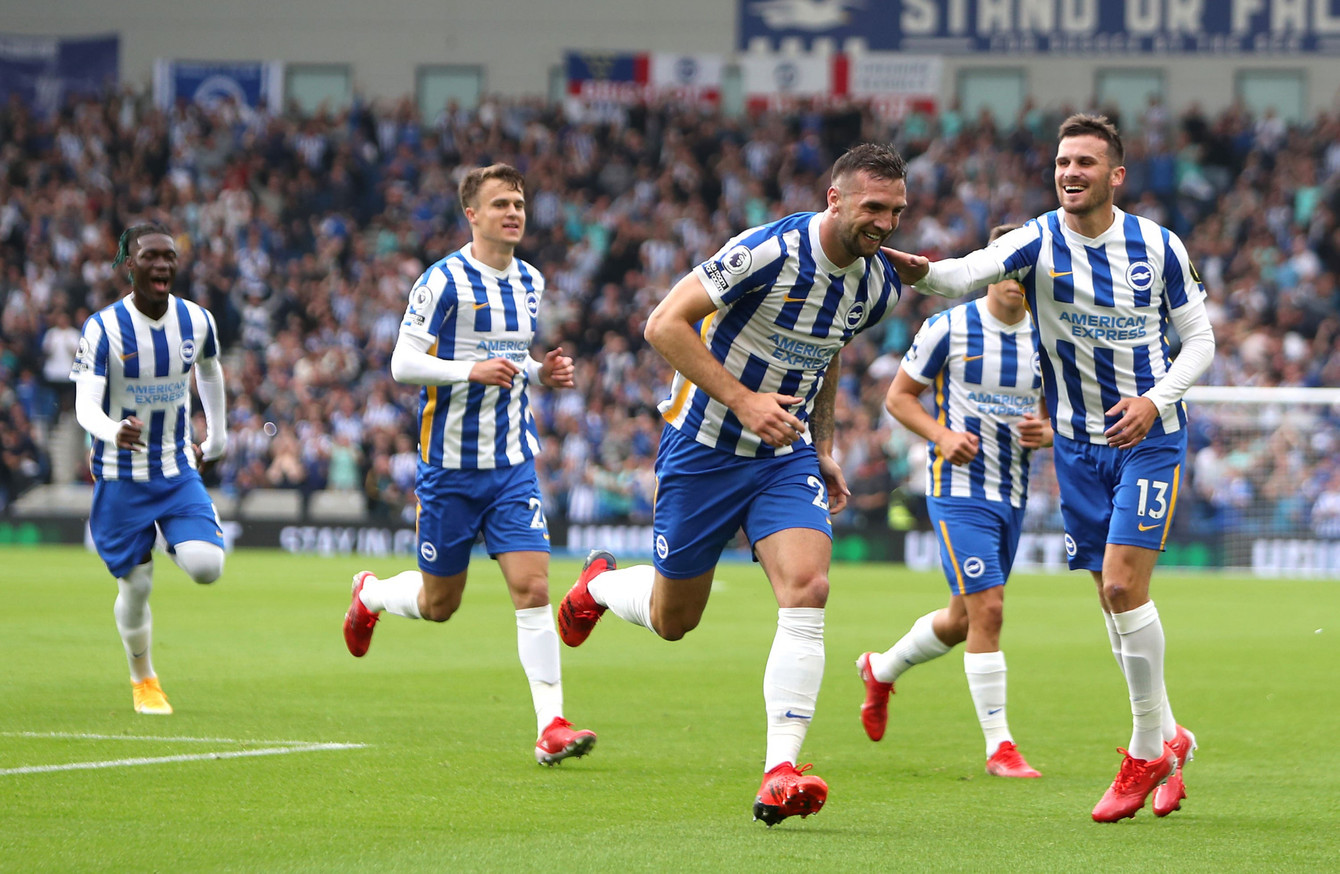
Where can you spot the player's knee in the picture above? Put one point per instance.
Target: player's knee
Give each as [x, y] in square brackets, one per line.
[810, 593]
[530, 593]
[990, 617]
[203, 562]
[1116, 593]
[674, 625]
[674, 629]
[440, 609]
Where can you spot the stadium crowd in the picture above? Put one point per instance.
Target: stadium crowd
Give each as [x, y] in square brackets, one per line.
[303, 234]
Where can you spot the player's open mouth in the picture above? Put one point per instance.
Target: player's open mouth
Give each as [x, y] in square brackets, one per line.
[1072, 189]
[160, 283]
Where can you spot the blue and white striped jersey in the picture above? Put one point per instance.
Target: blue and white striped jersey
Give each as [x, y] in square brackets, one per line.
[147, 365]
[471, 312]
[1101, 308]
[783, 311]
[986, 377]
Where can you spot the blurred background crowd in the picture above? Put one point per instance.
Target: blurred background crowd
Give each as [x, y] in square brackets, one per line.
[304, 234]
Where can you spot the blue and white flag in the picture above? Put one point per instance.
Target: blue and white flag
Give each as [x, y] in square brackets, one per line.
[44, 70]
[246, 83]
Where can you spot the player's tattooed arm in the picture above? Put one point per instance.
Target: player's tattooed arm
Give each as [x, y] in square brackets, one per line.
[821, 429]
[821, 418]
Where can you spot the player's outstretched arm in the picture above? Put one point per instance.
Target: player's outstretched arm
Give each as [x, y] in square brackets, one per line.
[911, 268]
[903, 401]
[950, 277]
[670, 330]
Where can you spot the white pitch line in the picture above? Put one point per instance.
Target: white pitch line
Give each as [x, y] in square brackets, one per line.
[71, 735]
[195, 757]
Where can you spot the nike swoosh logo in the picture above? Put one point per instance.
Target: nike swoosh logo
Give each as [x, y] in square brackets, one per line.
[789, 299]
[480, 306]
[994, 712]
[218, 532]
[1148, 527]
[140, 654]
[129, 355]
[967, 358]
[790, 715]
[1056, 275]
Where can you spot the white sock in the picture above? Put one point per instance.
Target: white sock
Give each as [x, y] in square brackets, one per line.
[1114, 638]
[791, 681]
[537, 645]
[134, 619]
[398, 595]
[919, 645]
[986, 684]
[627, 592]
[1142, 654]
[1169, 721]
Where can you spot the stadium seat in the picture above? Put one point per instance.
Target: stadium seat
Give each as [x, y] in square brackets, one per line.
[278, 505]
[337, 505]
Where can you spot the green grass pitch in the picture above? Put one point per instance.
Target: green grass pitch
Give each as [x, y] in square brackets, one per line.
[447, 781]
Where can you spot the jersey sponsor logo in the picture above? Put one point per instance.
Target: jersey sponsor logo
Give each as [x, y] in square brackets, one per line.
[187, 351]
[974, 567]
[1102, 327]
[428, 551]
[532, 303]
[662, 548]
[798, 353]
[1140, 275]
[738, 261]
[1070, 547]
[1056, 275]
[855, 315]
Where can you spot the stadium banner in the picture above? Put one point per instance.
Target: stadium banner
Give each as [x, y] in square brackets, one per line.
[1038, 551]
[627, 77]
[773, 80]
[687, 77]
[893, 84]
[43, 70]
[246, 83]
[1107, 27]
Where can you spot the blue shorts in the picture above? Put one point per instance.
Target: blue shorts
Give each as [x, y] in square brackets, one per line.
[978, 540]
[1122, 496]
[457, 506]
[127, 515]
[704, 495]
